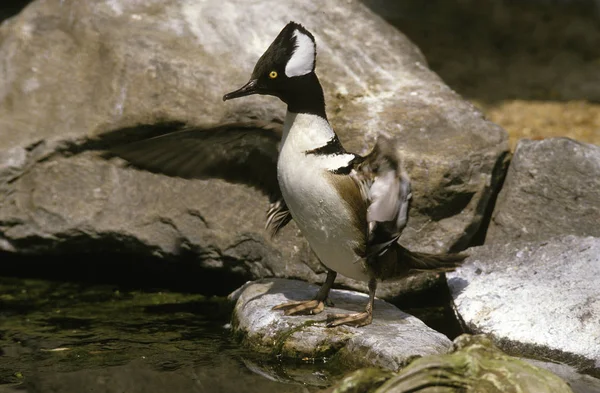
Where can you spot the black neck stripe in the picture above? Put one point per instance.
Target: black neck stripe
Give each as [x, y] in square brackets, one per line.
[332, 147]
[343, 170]
[346, 169]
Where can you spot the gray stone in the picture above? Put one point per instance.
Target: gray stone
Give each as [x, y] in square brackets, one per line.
[577, 382]
[537, 300]
[552, 188]
[76, 74]
[390, 341]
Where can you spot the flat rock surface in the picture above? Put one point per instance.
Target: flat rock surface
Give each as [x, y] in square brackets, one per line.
[552, 188]
[389, 342]
[539, 300]
[144, 63]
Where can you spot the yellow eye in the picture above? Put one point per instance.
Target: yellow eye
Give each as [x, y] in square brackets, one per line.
[273, 74]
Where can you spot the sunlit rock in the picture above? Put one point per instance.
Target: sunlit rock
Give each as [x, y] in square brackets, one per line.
[79, 75]
[389, 342]
[538, 299]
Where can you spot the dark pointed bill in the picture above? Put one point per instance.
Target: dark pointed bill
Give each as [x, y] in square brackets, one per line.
[249, 88]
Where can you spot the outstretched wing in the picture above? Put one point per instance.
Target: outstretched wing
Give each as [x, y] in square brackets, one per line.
[243, 153]
[386, 186]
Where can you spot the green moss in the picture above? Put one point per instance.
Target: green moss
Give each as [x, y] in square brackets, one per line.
[363, 380]
[284, 336]
[479, 366]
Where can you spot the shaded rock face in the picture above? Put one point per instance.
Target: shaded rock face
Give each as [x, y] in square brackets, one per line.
[75, 71]
[552, 188]
[539, 299]
[389, 342]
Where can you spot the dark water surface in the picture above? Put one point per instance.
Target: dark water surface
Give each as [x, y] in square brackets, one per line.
[73, 337]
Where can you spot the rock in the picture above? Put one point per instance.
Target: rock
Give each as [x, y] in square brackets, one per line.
[476, 365]
[389, 342]
[362, 381]
[68, 89]
[537, 300]
[577, 382]
[551, 189]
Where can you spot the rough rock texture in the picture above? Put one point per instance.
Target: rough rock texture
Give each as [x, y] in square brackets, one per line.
[539, 300]
[552, 188]
[363, 380]
[74, 72]
[389, 342]
[476, 365]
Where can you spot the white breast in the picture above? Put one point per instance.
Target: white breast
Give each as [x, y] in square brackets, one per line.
[314, 203]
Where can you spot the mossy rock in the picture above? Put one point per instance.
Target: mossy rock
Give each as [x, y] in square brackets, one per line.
[476, 366]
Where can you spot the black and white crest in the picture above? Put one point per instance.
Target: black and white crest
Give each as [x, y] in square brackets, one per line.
[293, 52]
[303, 58]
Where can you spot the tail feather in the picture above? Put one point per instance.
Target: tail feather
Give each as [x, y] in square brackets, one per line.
[419, 261]
[397, 261]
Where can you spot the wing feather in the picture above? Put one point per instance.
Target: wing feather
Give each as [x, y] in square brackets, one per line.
[243, 153]
[389, 193]
[387, 187]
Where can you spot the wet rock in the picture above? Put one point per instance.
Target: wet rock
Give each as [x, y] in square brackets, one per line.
[150, 63]
[537, 300]
[551, 189]
[389, 342]
[476, 365]
[362, 381]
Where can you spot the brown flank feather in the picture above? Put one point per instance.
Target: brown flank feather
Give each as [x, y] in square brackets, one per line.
[352, 197]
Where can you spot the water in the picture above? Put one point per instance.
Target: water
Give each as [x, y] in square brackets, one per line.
[74, 337]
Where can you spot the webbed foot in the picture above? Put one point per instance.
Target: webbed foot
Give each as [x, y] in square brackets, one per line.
[302, 307]
[356, 320]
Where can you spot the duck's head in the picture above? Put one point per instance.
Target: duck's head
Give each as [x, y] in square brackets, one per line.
[286, 67]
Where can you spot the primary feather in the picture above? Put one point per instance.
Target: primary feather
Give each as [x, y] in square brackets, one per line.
[243, 152]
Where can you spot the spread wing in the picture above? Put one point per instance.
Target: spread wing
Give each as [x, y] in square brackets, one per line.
[243, 153]
[386, 185]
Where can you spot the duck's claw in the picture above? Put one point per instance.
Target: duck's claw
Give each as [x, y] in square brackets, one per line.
[356, 320]
[302, 307]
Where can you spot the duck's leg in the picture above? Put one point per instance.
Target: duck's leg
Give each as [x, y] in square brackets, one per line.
[315, 306]
[358, 319]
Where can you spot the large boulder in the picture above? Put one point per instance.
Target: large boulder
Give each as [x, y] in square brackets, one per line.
[552, 188]
[79, 75]
[538, 299]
